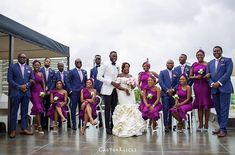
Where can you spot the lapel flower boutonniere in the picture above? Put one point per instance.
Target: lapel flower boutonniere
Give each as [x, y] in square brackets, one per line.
[222, 59]
[174, 75]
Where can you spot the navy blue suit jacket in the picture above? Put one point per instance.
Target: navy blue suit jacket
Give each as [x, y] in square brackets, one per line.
[222, 74]
[97, 83]
[75, 82]
[186, 71]
[15, 79]
[66, 84]
[167, 83]
[50, 82]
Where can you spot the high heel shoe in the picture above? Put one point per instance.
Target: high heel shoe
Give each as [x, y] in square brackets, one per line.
[36, 127]
[40, 130]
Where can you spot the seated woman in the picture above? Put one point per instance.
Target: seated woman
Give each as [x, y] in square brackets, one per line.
[58, 108]
[88, 107]
[151, 105]
[183, 102]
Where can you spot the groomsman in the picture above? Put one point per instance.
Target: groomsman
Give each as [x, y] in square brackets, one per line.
[168, 80]
[97, 83]
[219, 72]
[49, 78]
[77, 80]
[62, 75]
[20, 77]
[183, 68]
[107, 74]
[94, 72]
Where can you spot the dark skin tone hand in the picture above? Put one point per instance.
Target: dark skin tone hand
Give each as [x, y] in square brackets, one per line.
[215, 85]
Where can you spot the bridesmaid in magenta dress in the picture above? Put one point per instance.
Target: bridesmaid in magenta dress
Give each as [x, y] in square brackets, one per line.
[151, 105]
[58, 108]
[88, 107]
[143, 76]
[202, 91]
[37, 91]
[183, 102]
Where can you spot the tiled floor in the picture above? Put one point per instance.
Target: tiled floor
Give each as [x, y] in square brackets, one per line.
[97, 142]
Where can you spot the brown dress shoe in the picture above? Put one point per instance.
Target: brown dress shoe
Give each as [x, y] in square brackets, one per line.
[12, 134]
[216, 132]
[222, 134]
[26, 132]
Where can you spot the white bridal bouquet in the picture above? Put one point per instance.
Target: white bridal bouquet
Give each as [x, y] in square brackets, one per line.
[56, 98]
[42, 94]
[201, 71]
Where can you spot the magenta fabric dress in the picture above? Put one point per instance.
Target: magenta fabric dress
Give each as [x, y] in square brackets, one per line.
[144, 80]
[154, 114]
[201, 89]
[51, 110]
[183, 109]
[36, 100]
[87, 95]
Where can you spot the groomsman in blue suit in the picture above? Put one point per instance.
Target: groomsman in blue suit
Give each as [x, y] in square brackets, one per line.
[93, 74]
[168, 80]
[49, 78]
[183, 68]
[62, 75]
[20, 77]
[77, 79]
[97, 83]
[219, 71]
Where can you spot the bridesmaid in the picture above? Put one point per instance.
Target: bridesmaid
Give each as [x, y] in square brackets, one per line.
[143, 76]
[182, 102]
[58, 108]
[151, 106]
[202, 91]
[88, 107]
[37, 91]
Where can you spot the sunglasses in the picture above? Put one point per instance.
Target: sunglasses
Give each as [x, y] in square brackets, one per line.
[22, 57]
[78, 62]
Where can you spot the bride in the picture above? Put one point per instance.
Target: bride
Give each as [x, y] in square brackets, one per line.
[127, 118]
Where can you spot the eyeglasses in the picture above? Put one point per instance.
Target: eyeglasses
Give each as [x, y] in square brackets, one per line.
[97, 58]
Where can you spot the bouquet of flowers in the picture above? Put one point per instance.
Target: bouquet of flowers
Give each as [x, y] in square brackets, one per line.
[131, 81]
[176, 97]
[201, 71]
[92, 94]
[42, 94]
[149, 96]
[56, 98]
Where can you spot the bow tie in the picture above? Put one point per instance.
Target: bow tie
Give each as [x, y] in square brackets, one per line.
[97, 65]
[113, 63]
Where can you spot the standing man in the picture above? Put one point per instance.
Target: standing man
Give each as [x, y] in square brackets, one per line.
[107, 74]
[168, 80]
[94, 72]
[49, 78]
[219, 71]
[20, 77]
[62, 75]
[97, 83]
[77, 81]
[183, 68]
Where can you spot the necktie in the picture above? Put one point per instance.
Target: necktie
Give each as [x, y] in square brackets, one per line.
[22, 69]
[62, 76]
[47, 72]
[182, 69]
[216, 64]
[80, 74]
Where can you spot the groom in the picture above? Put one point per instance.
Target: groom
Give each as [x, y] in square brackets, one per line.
[107, 74]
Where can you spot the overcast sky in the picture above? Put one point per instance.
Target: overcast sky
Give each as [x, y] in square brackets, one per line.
[136, 29]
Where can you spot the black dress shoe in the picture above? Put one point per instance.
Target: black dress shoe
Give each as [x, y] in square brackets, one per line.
[215, 132]
[74, 128]
[221, 134]
[109, 131]
[167, 130]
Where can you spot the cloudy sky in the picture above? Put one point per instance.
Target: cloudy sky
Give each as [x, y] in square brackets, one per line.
[136, 29]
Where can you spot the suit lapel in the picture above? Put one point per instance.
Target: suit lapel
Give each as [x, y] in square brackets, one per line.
[76, 72]
[168, 76]
[219, 64]
[19, 69]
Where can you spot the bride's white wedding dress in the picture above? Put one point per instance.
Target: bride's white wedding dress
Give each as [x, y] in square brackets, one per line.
[127, 118]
